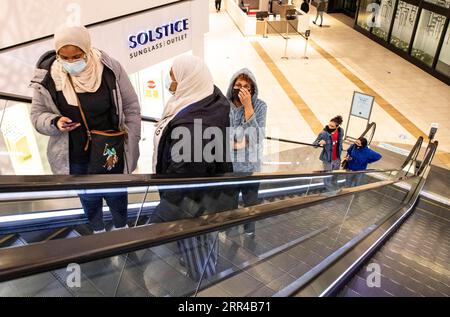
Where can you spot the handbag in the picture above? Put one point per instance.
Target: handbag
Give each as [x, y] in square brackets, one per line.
[344, 163]
[107, 147]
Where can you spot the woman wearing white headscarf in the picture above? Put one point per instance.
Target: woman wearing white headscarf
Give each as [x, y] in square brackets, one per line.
[194, 98]
[109, 103]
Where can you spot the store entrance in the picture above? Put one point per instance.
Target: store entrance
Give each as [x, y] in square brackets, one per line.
[348, 7]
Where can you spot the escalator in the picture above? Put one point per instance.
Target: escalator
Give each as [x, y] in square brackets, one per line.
[315, 235]
[304, 230]
[414, 261]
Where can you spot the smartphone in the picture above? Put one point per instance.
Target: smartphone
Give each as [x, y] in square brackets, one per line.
[69, 125]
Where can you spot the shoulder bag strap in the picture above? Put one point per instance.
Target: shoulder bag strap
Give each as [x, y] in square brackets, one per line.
[83, 117]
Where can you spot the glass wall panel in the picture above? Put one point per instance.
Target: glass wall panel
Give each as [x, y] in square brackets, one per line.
[384, 19]
[405, 17]
[364, 16]
[427, 37]
[442, 3]
[443, 64]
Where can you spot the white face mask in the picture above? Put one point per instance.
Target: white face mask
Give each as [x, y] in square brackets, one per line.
[168, 83]
[74, 68]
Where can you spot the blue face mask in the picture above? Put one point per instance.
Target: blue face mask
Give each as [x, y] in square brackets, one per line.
[74, 68]
[168, 83]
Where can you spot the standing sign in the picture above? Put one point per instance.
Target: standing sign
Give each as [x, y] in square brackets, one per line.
[361, 107]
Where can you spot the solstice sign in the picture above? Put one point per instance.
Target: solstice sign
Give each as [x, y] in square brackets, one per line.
[156, 38]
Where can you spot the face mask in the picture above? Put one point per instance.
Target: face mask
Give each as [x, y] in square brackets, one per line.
[74, 68]
[168, 83]
[330, 130]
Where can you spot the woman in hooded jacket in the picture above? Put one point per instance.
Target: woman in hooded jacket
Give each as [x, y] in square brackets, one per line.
[248, 124]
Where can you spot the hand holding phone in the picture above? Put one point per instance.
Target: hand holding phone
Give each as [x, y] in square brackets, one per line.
[65, 124]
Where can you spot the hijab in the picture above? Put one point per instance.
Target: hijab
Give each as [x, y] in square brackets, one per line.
[194, 83]
[90, 79]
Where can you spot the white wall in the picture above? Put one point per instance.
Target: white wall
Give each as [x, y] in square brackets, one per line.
[17, 65]
[246, 24]
[24, 20]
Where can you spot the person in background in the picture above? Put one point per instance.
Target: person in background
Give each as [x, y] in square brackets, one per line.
[320, 9]
[305, 6]
[358, 157]
[248, 123]
[218, 5]
[331, 140]
[109, 102]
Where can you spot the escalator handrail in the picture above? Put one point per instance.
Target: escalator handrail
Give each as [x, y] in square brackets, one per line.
[412, 156]
[372, 126]
[42, 257]
[155, 120]
[292, 141]
[429, 156]
[13, 97]
[297, 287]
[21, 183]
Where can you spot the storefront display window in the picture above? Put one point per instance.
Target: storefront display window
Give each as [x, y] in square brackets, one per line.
[19, 150]
[386, 11]
[427, 37]
[442, 3]
[443, 64]
[363, 15]
[405, 17]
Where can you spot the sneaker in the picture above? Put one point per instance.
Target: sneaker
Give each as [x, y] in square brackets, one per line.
[99, 231]
[250, 233]
[319, 25]
[114, 228]
[314, 22]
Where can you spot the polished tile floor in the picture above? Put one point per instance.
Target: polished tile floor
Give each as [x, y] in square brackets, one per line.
[303, 94]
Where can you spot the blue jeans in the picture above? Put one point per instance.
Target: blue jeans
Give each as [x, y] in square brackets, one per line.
[331, 183]
[249, 198]
[93, 203]
[354, 180]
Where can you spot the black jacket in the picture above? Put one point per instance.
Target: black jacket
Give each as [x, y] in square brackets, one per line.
[305, 7]
[214, 112]
[189, 203]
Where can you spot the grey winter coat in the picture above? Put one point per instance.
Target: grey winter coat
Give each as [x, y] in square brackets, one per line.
[44, 109]
[250, 158]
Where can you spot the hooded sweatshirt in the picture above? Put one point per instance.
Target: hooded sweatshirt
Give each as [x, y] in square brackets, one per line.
[248, 159]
